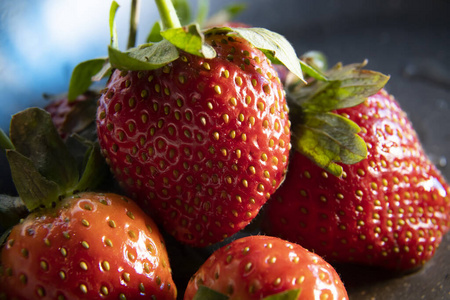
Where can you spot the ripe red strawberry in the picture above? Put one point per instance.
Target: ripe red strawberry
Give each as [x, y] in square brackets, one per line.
[201, 143]
[389, 210]
[256, 267]
[73, 245]
[92, 246]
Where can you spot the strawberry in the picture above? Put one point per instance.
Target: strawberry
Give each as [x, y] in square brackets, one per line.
[72, 116]
[202, 141]
[388, 210]
[91, 246]
[74, 245]
[255, 267]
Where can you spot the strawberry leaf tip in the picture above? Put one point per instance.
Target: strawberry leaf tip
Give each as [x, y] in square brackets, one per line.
[34, 136]
[189, 39]
[274, 46]
[327, 138]
[42, 167]
[26, 177]
[293, 294]
[154, 35]
[346, 86]
[145, 57]
[82, 76]
[5, 142]
[320, 134]
[112, 25]
[205, 292]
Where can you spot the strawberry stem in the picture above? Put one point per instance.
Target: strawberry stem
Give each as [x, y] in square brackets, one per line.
[134, 19]
[168, 14]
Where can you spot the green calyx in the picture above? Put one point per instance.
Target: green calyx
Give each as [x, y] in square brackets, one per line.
[42, 167]
[326, 138]
[170, 36]
[205, 293]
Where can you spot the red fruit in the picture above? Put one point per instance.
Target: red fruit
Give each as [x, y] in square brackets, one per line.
[255, 267]
[200, 143]
[92, 246]
[389, 210]
[73, 117]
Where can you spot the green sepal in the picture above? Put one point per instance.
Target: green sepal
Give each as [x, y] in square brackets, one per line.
[328, 139]
[34, 189]
[312, 71]
[293, 294]
[104, 71]
[33, 135]
[112, 25]
[82, 74]
[189, 39]
[205, 293]
[272, 44]
[12, 209]
[5, 142]
[145, 57]
[94, 167]
[347, 86]
[155, 33]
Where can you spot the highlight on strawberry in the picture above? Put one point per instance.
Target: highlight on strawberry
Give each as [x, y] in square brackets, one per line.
[265, 267]
[194, 124]
[70, 242]
[390, 209]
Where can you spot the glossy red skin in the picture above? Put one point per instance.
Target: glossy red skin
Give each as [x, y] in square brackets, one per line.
[390, 210]
[205, 165]
[276, 266]
[43, 237]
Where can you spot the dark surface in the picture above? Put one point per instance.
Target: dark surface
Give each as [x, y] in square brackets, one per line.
[408, 39]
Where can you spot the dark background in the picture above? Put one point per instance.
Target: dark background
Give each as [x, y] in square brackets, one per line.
[41, 41]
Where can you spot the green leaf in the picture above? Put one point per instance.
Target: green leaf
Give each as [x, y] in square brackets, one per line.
[105, 71]
[95, 169]
[274, 45]
[12, 209]
[34, 136]
[82, 74]
[189, 39]
[313, 72]
[183, 10]
[206, 293]
[347, 86]
[293, 294]
[5, 142]
[112, 25]
[225, 15]
[146, 57]
[155, 34]
[33, 188]
[327, 139]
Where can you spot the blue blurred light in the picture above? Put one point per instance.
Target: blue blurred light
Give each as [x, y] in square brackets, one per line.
[42, 41]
